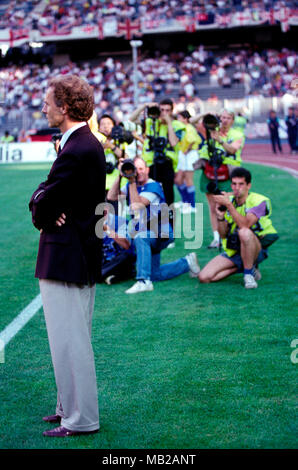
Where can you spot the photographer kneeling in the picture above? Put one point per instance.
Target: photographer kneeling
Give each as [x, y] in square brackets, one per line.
[151, 230]
[246, 231]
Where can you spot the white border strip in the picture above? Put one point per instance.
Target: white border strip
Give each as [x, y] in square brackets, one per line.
[17, 324]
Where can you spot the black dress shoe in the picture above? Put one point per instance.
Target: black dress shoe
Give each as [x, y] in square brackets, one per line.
[52, 419]
[61, 431]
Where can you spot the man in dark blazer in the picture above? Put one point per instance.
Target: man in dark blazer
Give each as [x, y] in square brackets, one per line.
[69, 256]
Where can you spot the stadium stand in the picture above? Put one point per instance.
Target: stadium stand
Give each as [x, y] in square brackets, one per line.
[183, 77]
[198, 75]
[61, 16]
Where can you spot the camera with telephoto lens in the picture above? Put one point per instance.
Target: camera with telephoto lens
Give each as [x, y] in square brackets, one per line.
[121, 135]
[211, 123]
[55, 138]
[110, 167]
[128, 168]
[212, 188]
[153, 112]
[233, 242]
[158, 145]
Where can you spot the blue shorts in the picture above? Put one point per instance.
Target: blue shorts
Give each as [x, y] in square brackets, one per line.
[237, 260]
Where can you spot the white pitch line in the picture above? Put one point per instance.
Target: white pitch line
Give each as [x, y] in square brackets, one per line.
[20, 321]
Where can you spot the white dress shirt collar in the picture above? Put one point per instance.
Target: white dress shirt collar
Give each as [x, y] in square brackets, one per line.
[67, 134]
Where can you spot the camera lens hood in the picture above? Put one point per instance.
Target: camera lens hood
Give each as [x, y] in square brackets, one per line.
[127, 168]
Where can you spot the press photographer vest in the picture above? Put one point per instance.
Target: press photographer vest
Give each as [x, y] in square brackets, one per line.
[113, 160]
[152, 219]
[261, 228]
[161, 130]
[228, 159]
[240, 123]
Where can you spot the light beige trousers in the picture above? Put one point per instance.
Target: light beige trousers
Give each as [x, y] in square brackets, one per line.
[68, 311]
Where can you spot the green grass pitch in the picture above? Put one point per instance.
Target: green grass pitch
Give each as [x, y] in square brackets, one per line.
[187, 366]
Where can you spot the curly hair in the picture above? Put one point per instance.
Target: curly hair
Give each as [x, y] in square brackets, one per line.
[74, 93]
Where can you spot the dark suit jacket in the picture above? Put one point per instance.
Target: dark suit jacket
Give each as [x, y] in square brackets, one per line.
[75, 186]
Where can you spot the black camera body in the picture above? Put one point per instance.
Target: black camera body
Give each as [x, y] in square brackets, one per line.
[110, 167]
[211, 123]
[153, 112]
[158, 145]
[212, 188]
[121, 135]
[233, 242]
[55, 138]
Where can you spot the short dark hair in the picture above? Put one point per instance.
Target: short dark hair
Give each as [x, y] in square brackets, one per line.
[74, 93]
[240, 172]
[184, 114]
[107, 116]
[167, 101]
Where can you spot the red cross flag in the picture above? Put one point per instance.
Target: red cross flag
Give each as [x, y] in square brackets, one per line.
[129, 29]
[242, 18]
[223, 20]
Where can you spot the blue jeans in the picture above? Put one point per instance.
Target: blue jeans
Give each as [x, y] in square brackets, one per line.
[148, 259]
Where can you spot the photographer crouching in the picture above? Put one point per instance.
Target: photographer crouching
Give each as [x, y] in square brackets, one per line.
[246, 231]
[150, 228]
[218, 156]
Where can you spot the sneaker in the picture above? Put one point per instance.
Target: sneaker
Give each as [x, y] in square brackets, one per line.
[193, 264]
[257, 274]
[171, 245]
[249, 282]
[110, 279]
[187, 209]
[140, 286]
[214, 244]
[178, 204]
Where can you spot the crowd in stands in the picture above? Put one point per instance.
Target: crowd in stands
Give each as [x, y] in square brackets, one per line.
[267, 73]
[22, 14]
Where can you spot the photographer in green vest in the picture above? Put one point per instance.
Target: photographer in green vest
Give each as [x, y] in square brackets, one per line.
[114, 140]
[219, 155]
[246, 231]
[161, 146]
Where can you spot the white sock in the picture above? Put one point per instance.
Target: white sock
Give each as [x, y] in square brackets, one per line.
[216, 236]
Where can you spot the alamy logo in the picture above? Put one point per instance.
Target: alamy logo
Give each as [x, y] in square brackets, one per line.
[153, 221]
